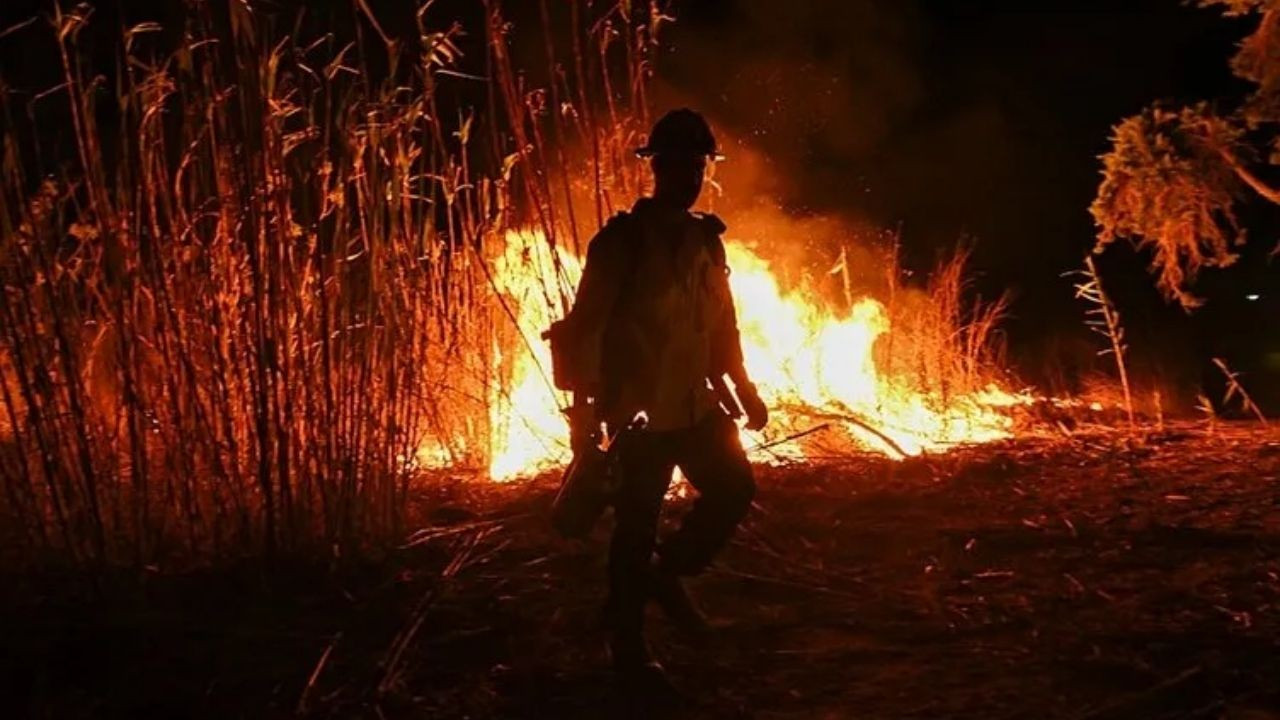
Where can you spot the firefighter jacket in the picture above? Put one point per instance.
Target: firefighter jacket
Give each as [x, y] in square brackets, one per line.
[654, 317]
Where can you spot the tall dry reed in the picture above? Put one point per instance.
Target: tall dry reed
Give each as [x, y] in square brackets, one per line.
[235, 315]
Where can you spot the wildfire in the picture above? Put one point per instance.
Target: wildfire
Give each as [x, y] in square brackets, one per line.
[812, 365]
[528, 431]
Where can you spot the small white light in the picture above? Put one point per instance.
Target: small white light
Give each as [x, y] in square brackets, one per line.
[1251, 297]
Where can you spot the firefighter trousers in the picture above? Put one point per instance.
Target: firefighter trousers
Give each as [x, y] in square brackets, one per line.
[711, 458]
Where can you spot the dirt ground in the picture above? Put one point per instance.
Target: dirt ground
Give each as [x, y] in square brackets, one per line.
[1086, 578]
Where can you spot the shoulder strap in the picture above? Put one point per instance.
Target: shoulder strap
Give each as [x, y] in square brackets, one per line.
[713, 227]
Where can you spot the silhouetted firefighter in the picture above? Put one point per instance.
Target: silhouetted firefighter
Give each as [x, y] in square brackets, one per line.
[646, 349]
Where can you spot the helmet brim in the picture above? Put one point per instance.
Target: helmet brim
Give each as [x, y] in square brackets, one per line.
[648, 152]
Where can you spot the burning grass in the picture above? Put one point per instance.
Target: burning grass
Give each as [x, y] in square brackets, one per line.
[915, 372]
[268, 287]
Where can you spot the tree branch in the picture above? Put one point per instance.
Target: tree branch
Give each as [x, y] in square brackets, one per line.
[1253, 181]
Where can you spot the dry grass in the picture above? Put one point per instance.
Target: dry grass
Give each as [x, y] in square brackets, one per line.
[231, 321]
[1235, 391]
[943, 342]
[1103, 318]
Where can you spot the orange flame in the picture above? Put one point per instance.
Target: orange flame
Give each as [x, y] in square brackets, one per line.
[809, 363]
[527, 429]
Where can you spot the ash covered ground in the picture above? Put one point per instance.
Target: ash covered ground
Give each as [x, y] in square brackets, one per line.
[1092, 577]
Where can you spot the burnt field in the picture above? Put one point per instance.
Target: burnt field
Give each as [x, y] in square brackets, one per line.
[1095, 577]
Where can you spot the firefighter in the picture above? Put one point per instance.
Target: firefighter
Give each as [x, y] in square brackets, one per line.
[656, 336]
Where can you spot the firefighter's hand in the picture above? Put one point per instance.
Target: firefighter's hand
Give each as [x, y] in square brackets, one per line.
[753, 406]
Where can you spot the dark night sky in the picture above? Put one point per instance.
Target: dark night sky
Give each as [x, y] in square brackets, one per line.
[958, 119]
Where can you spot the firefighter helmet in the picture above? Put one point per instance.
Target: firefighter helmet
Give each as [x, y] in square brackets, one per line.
[681, 131]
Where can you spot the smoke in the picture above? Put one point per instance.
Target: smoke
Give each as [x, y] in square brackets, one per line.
[818, 88]
[894, 115]
[804, 98]
[831, 115]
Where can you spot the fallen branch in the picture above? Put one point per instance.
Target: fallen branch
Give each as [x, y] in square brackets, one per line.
[855, 420]
[789, 438]
[1235, 389]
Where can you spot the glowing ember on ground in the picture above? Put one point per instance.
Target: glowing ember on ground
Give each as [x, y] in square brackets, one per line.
[811, 364]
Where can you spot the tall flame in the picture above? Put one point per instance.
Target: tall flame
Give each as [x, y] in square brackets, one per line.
[527, 429]
[809, 362]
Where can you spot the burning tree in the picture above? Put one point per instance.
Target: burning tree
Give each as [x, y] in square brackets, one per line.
[1173, 177]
